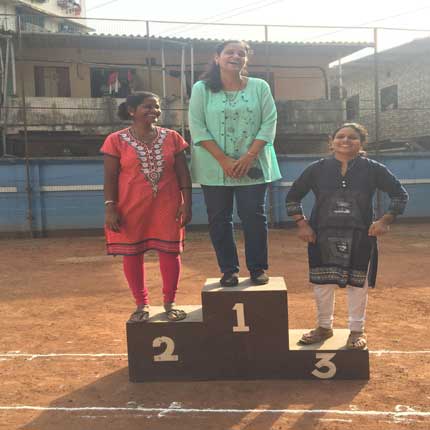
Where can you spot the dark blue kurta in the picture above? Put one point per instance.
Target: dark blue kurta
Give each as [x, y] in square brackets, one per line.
[351, 194]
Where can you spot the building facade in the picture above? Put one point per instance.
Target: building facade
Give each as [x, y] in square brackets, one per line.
[72, 82]
[403, 96]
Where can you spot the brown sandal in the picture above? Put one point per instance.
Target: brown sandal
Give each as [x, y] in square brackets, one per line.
[356, 340]
[315, 336]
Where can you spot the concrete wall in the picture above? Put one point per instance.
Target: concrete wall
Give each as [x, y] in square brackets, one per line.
[99, 115]
[290, 83]
[87, 115]
[79, 76]
[310, 116]
[411, 74]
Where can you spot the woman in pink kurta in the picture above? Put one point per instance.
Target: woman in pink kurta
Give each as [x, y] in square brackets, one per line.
[148, 199]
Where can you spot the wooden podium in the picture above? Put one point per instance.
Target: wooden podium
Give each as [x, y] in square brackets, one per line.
[238, 333]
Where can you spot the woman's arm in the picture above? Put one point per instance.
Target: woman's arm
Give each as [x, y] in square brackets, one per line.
[301, 186]
[242, 166]
[269, 116]
[111, 172]
[387, 182]
[227, 163]
[184, 213]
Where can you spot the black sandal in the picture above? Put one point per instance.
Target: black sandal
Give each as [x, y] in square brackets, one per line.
[139, 315]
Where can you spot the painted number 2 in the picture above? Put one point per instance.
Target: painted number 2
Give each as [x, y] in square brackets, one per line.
[324, 361]
[240, 317]
[167, 354]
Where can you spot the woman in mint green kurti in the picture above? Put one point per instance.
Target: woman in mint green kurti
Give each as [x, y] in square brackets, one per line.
[233, 124]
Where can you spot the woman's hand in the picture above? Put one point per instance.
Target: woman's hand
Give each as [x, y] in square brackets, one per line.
[242, 166]
[306, 233]
[184, 214]
[378, 228]
[228, 164]
[112, 218]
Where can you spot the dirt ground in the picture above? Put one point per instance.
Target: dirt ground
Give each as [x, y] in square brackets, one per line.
[63, 295]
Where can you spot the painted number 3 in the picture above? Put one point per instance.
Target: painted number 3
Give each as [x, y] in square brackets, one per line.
[324, 362]
[167, 354]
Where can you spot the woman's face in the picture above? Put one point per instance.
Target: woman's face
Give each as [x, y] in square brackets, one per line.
[147, 112]
[232, 58]
[347, 142]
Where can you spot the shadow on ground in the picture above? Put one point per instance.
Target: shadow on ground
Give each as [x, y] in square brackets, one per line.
[115, 391]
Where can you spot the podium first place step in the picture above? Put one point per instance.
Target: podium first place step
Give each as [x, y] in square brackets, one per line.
[249, 327]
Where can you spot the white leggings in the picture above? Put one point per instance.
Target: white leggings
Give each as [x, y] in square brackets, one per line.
[357, 302]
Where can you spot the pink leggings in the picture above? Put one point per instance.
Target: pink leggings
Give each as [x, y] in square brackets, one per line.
[134, 270]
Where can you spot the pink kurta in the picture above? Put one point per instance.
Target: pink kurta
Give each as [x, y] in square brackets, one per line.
[148, 193]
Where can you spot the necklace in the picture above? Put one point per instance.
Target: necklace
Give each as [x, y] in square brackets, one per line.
[231, 95]
[148, 140]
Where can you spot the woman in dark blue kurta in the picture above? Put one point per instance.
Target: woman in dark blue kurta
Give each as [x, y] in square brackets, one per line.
[341, 234]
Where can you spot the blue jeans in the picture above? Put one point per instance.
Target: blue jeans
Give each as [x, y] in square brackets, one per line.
[250, 202]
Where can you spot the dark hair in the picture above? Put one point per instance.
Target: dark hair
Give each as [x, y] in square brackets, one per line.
[212, 76]
[360, 129]
[133, 101]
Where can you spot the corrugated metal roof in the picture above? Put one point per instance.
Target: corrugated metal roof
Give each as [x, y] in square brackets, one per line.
[210, 40]
[329, 50]
[413, 48]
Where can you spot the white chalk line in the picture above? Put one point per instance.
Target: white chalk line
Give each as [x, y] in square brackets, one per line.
[59, 355]
[173, 410]
[384, 351]
[9, 355]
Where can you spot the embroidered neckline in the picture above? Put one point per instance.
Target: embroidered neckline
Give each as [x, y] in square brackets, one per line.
[150, 156]
[142, 141]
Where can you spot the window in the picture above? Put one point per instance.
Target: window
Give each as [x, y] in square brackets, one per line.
[353, 107]
[112, 82]
[67, 27]
[30, 21]
[51, 81]
[389, 99]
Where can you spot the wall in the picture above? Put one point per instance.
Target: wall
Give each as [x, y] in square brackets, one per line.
[86, 115]
[290, 83]
[79, 73]
[67, 194]
[411, 73]
[310, 116]
[99, 115]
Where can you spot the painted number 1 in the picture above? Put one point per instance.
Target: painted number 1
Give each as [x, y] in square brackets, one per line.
[325, 361]
[240, 317]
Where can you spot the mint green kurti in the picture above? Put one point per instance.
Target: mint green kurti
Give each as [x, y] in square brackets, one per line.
[233, 120]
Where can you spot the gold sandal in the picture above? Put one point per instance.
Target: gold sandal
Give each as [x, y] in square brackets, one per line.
[357, 340]
[140, 315]
[315, 336]
[174, 314]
